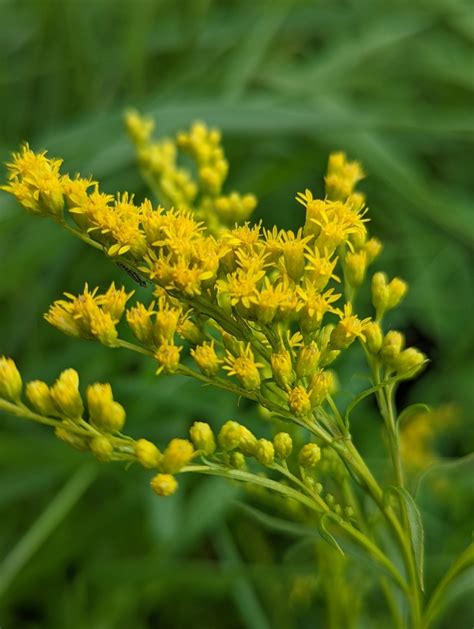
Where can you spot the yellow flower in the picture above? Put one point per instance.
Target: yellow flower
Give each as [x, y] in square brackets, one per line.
[244, 368]
[167, 355]
[348, 329]
[139, 321]
[206, 358]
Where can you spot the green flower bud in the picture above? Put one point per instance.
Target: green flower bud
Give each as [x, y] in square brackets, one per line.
[265, 452]
[397, 290]
[101, 448]
[373, 337]
[320, 387]
[391, 346]
[309, 455]
[409, 361]
[298, 401]
[355, 266]
[237, 460]
[307, 362]
[379, 293]
[283, 444]
[202, 437]
[282, 369]
[229, 436]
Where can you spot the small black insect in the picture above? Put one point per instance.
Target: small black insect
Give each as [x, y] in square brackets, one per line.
[133, 274]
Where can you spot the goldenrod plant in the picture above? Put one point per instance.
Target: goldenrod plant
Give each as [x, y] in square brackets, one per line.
[266, 314]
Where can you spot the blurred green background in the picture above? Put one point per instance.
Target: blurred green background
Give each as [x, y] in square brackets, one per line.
[391, 83]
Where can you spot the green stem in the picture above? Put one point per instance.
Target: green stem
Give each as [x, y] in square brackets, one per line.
[289, 492]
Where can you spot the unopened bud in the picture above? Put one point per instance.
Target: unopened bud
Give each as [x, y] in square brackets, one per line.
[265, 452]
[10, 380]
[373, 337]
[202, 437]
[177, 454]
[101, 448]
[164, 484]
[147, 454]
[307, 362]
[298, 401]
[309, 455]
[283, 444]
[282, 369]
[66, 396]
[391, 347]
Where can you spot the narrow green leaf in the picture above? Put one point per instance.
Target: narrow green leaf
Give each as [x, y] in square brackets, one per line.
[325, 534]
[417, 535]
[411, 411]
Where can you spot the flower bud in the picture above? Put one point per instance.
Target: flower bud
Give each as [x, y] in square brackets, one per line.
[237, 460]
[101, 448]
[309, 455]
[206, 358]
[372, 249]
[355, 266]
[373, 337]
[147, 454]
[391, 347]
[202, 437]
[265, 452]
[139, 321]
[283, 444]
[166, 321]
[409, 361]
[229, 435]
[190, 332]
[247, 441]
[298, 401]
[307, 362]
[282, 369]
[66, 396]
[178, 453]
[397, 290]
[104, 414]
[320, 387]
[75, 441]
[164, 484]
[10, 380]
[39, 396]
[379, 293]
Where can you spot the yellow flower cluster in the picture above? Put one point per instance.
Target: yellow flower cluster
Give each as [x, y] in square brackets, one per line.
[256, 303]
[175, 185]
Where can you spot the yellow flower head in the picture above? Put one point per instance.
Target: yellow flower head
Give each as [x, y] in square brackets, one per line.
[244, 368]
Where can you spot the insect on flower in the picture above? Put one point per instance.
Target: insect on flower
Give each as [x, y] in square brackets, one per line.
[136, 277]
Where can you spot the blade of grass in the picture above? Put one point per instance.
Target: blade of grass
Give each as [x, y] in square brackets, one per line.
[39, 532]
